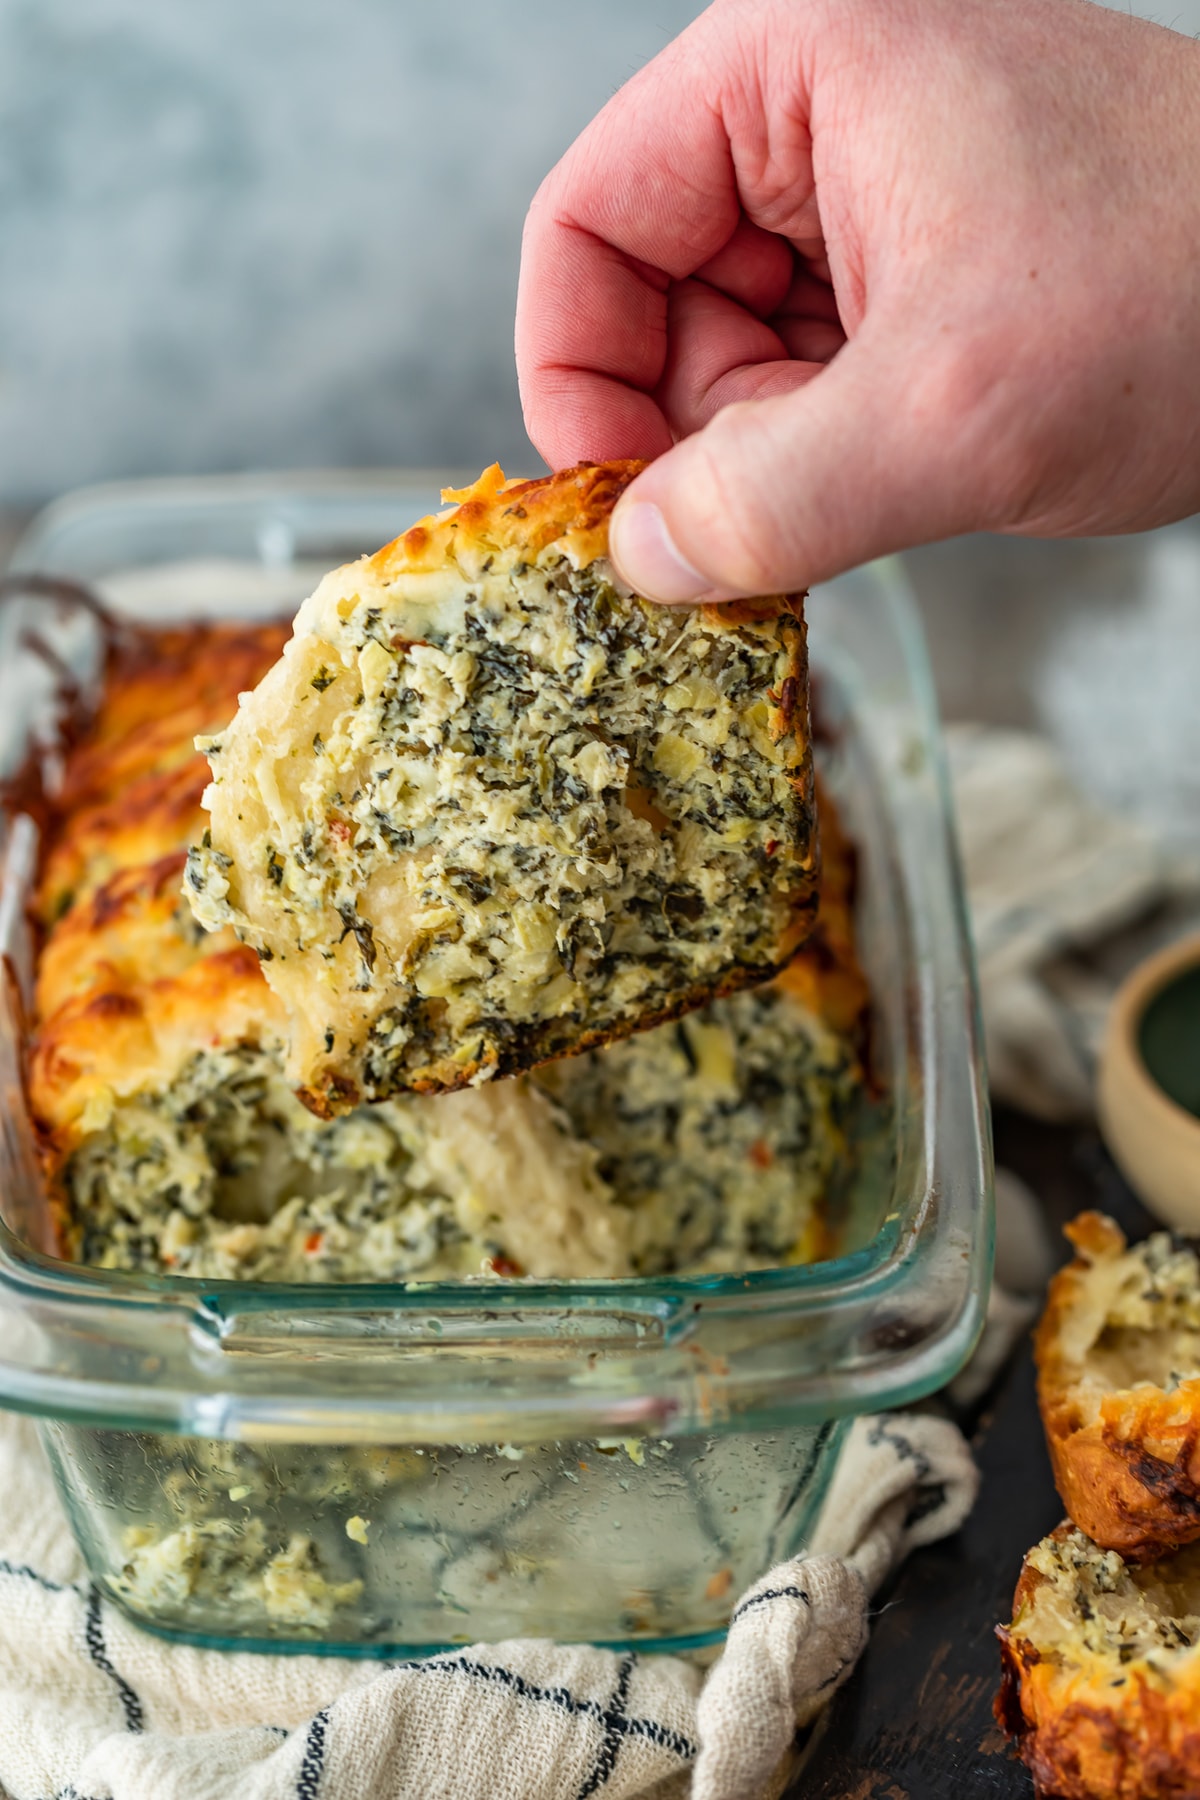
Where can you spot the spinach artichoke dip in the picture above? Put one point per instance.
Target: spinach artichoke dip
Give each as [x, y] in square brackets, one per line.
[172, 1137]
[490, 807]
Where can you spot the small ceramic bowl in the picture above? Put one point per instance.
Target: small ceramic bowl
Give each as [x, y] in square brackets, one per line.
[1148, 1096]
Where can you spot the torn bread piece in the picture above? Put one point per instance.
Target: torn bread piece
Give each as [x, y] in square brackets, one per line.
[1101, 1684]
[491, 808]
[1118, 1352]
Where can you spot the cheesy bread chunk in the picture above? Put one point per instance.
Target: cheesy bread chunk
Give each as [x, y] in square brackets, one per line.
[492, 808]
[1118, 1353]
[1101, 1684]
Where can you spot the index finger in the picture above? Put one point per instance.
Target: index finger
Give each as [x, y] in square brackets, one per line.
[647, 194]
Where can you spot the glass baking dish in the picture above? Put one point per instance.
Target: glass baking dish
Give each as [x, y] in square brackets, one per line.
[390, 1469]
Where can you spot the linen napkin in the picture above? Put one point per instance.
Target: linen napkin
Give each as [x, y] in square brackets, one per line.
[1065, 897]
[91, 1708]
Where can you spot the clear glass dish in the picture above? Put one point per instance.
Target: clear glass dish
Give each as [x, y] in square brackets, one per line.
[390, 1469]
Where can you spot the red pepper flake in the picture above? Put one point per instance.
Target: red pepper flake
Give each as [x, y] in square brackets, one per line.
[339, 828]
[761, 1154]
[313, 1242]
[504, 1265]
[771, 846]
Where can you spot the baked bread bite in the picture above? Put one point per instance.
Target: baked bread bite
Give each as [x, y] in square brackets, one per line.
[1118, 1353]
[1101, 1684]
[491, 808]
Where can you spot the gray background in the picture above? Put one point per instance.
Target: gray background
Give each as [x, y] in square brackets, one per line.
[250, 233]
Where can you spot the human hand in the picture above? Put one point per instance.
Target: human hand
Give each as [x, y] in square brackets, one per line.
[865, 273]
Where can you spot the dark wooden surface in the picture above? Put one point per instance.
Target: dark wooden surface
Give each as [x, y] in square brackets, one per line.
[914, 1722]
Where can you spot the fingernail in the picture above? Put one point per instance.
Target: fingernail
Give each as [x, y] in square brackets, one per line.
[648, 557]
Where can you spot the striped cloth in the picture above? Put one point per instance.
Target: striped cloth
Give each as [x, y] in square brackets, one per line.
[91, 1708]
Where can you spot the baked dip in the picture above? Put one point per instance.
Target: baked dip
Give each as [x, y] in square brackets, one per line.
[173, 1141]
[164, 1068]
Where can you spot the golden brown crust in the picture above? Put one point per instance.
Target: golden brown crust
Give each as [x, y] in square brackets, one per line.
[131, 788]
[1092, 1725]
[117, 935]
[1126, 1457]
[570, 507]
[494, 514]
[161, 689]
[112, 1041]
[151, 818]
[127, 989]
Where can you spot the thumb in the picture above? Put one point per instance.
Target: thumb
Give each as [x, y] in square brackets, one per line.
[776, 494]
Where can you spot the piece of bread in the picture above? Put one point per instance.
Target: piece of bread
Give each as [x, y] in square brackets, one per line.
[1118, 1354]
[1101, 1684]
[490, 808]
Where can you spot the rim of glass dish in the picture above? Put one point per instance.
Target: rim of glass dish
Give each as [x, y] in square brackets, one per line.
[679, 1306]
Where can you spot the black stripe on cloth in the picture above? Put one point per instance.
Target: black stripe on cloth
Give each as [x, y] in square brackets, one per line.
[70, 1793]
[309, 1780]
[785, 1593]
[663, 1736]
[93, 1631]
[930, 1499]
[885, 1431]
[616, 1726]
[930, 1495]
[43, 1581]
[650, 1729]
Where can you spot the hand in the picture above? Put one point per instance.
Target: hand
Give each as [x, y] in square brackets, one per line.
[865, 273]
